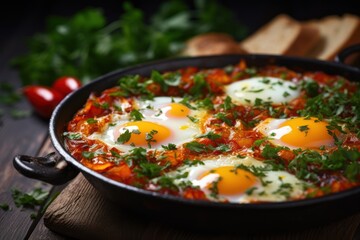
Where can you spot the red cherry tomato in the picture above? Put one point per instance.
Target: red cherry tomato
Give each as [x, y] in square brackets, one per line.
[66, 85]
[43, 99]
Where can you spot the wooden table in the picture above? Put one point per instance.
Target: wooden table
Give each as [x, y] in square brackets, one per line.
[23, 136]
[19, 136]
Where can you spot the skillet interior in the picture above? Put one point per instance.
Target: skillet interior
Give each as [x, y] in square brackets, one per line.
[188, 213]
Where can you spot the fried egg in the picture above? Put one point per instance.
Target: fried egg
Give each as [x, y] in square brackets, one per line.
[298, 132]
[164, 120]
[228, 178]
[266, 89]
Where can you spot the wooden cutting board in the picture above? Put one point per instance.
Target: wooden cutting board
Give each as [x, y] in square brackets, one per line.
[81, 212]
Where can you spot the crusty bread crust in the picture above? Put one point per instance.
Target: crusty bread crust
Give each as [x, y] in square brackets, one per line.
[308, 38]
[336, 33]
[276, 37]
[212, 44]
[322, 39]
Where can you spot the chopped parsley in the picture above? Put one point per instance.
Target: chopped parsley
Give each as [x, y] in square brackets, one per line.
[193, 162]
[200, 86]
[19, 113]
[132, 85]
[167, 183]
[115, 154]
[284, 189]
[271, 152]
[255, 90]
[205, 103]
[170, 146]
[223, 117]
[228, 105]
[210, 135]
[186, 102]
[136, 115]
[158, 78]
[8, 95]
[149, 170]
[150, 137]
[174, 183]
[72, 135]
[124, 137]
[250, 191]
[214, 190]
[340, 160]
[193, 119]
[341, 107]
[197, 147]
[286, 94]
[251, 71]
[257, 171]
[31, 199]
[91, 121]
[88, 155]
[265, 80]
[311, 87]
[136, 155]
[168, 79]
[304, 128]
[4, 206]
[104, 105]
[172, 79]
[222, 148]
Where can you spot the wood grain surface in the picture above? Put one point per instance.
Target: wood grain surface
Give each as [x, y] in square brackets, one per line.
[29, 136]
[18, 136]
[82, 213]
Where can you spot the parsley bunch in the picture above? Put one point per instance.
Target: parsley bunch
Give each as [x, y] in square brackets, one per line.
[86, 46]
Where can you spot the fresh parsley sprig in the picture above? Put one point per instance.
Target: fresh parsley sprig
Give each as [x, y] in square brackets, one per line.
[86, 46]
[31, 199]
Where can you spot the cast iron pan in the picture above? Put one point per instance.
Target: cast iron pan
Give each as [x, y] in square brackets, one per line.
[57, 169]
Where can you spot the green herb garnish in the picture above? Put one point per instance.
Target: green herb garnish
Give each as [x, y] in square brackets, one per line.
[88, 155]
[210, 135]
[4, 206]
[86, 46]
[136, 115]
[91, 121]
[150, 137]
[170, 146]
[72, 135]
[31, 199]
[124, 137]
[149, 170]
[196, 147]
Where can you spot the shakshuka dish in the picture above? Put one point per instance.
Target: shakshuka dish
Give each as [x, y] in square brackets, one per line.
[236, 134]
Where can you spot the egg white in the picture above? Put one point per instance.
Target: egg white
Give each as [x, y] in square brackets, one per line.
[267, 190]
[182, 128]
[267, 89]
[271, 128]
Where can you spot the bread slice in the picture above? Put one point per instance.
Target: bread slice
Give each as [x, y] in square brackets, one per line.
[336, 33]
[211, 44]
[282, 35]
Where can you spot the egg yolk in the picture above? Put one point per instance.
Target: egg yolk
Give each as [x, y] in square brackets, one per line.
[306, 132]
[143, 133]
[176, 110]
[229, 180]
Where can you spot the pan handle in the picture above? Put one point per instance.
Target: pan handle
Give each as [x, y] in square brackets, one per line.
[345, 53]
[51, 168]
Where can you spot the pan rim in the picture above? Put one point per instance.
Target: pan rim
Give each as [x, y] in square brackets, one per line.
[199, 203]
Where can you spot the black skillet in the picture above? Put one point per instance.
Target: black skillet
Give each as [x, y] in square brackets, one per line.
[57, 169]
